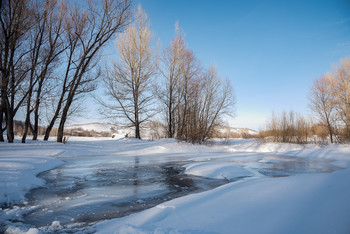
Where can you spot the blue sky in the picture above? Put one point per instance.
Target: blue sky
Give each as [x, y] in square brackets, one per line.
[270, 50]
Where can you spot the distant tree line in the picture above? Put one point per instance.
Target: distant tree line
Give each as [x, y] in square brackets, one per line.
[290, 127]
[146, 81]
[330, 103]
[49, 57]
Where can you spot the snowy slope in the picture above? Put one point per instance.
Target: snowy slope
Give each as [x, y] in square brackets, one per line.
[302, 204]
[114, 130]
[146, 130]
[98, 127]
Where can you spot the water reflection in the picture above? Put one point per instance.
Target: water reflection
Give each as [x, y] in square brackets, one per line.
[279, 166]
[136, 168]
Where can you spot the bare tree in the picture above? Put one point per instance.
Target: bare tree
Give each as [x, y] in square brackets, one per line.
[218, 100]
[87, 31]
[129, 84]
[15, 23]
[45, 46]
[322, 102]
[172, 72]
[190, 72]
[210, 98]
[50, 56]
[341, 93]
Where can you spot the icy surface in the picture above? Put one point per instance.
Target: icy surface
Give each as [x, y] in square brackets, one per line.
[217, 170]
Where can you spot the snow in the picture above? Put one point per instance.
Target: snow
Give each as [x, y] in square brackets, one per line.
[301, 204]
[224, 130]
[306, 203]
[18, 174]
[337, 152]
[216, 170]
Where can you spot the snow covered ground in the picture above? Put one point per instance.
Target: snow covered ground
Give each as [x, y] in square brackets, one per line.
[306, 203]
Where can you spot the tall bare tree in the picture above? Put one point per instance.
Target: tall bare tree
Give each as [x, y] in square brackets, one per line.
[51, 57]
[45, 46]
[129, 84]
[322, 102]
[191, 71]
[341, 92]
[15, 22]
[87, 31]
[172, 72]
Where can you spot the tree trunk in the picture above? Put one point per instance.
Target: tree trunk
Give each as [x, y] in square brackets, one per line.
[9, 127]
[64, 116]
[49, 128]
[54, 118]
[137, 124]
[27, 122]
[137, 130]
[330, 130]
[36, 126]
[9, 119]
[60, 131]
[170, 123]
[36, 110]
[62, 122]
[331, 134]
[26, 126]
[1, 122]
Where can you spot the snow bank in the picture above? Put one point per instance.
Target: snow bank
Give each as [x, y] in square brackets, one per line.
[338, 153]
[18, 173]
[216, 170]
[98, 127]
[300, 204]
[255, 146]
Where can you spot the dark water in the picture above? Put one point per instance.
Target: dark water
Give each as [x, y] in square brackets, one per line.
[90, 189]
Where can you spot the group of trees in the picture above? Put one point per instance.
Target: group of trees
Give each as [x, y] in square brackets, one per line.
[49, 54]
[191, 99]
[50, 57]
[290, 127]
[329, 101]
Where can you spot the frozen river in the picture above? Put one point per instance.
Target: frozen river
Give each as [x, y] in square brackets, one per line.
[89, 189]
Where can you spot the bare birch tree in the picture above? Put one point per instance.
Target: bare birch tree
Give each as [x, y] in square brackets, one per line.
[130, 82]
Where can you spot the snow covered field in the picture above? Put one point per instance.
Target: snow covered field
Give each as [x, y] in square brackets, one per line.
[304, 203]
